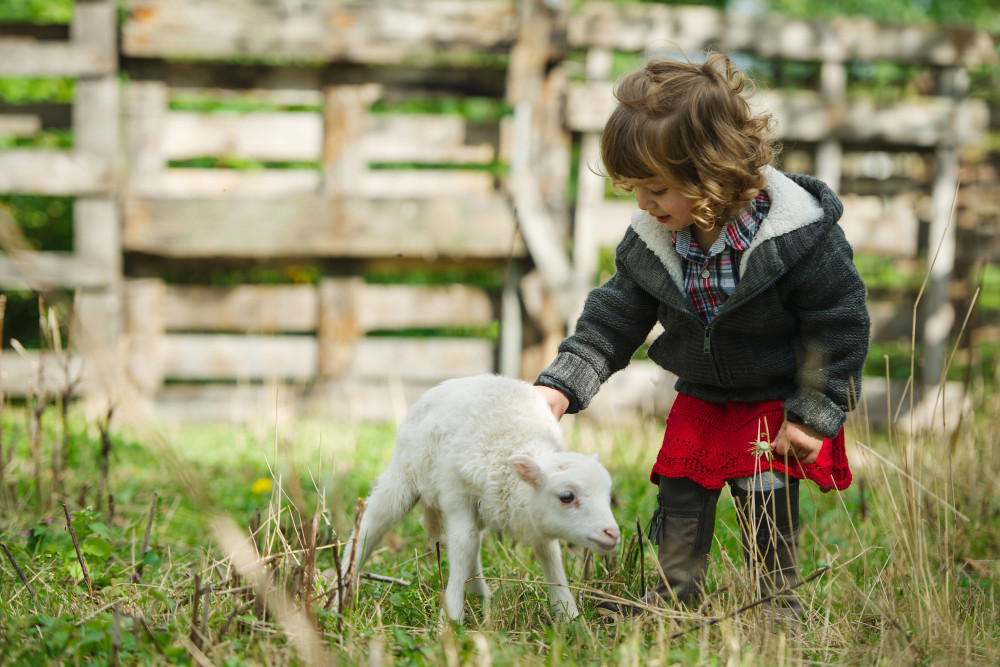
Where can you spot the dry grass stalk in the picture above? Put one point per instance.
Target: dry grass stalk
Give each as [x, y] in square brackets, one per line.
[759, 601]
[145, 538]
[3, 405]
[195, 634]
[79, 554]
[293, 621]
[104, 426]
[345, 583]
[116, 634]
[20, 573]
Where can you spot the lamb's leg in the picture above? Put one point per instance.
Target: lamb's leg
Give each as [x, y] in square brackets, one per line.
[463, 556]
[560, 598]
[477, 585]
[388, 502]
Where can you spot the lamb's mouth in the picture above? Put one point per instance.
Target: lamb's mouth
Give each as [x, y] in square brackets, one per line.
[604, 546]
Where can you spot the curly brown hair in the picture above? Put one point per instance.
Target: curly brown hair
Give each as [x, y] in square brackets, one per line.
[689, 124]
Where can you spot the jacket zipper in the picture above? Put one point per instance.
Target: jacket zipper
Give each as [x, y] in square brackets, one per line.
[707, 348]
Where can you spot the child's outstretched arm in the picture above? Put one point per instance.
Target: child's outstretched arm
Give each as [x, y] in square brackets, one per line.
[834, 335]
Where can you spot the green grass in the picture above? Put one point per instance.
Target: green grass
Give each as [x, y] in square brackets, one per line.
[912, 555]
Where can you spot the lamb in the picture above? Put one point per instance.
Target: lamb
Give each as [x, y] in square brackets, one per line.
[485, 452]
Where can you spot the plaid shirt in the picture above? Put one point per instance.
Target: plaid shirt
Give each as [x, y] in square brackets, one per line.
[711, 277]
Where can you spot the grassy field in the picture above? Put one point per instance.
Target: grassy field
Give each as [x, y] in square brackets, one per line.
[206, 545]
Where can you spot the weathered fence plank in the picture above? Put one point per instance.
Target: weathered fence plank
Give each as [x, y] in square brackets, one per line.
[19, 375]
[274, 136]
[805, 116]
[54, 172]
[20, 125]
[90, 51]
[297, 136]
[250, 308]
[296, 308]
[295, 358]
[641, 27]
[476, 227]
[403, 31]
[49, 270]
[180, 183]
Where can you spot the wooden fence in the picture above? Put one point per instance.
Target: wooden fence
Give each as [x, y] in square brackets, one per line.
[348, 181]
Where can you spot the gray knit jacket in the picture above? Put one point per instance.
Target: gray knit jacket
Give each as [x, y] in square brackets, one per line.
[796, 328]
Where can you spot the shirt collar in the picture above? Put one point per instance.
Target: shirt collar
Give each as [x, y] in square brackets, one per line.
[737, 233]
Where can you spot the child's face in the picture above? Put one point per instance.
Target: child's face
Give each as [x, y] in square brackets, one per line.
[656, 197]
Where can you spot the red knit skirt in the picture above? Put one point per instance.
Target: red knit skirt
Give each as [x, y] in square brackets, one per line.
[710, 443]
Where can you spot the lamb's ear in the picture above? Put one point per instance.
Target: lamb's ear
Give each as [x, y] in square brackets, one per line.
[527, 469]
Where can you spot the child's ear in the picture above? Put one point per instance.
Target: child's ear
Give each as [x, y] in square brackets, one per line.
[527, 469]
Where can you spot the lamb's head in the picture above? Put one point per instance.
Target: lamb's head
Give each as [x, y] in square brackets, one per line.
[570, 498]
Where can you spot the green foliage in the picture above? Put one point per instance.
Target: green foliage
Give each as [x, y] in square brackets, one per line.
[241, 163]
[237, 103]
[33, 90]
[981, 14]
[883, 274]
[21, 320]
[489, 278]
[222, 276]
[46, 222]
[473, 109]
[46, 139]
[36, 11]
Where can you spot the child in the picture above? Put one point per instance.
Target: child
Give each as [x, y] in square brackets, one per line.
[763, 313]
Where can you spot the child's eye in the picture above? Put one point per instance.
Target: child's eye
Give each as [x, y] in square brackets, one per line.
[657, 193]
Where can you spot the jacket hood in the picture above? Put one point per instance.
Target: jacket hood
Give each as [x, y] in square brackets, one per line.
[796, 202]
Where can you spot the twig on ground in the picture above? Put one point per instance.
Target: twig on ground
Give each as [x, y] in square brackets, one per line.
[642, 558]
[195, 634]
[145, 539]
[116, 634]
[17, 568]
[384, 579]
[152, 638]
[104, 426]
[751, 605]
[79, 554]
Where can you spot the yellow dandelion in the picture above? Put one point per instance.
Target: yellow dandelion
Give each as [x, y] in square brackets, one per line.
[261, 486]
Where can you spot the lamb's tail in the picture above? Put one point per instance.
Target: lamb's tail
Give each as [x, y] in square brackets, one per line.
[393, 496]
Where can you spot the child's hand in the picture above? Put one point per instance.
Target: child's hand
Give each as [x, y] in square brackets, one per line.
[556, 400]
[797, 441]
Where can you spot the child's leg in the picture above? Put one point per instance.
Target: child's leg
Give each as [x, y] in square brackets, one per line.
[768, 515]
[682, 528]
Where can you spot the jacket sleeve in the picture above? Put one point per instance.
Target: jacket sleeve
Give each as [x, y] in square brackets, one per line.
[834, 335]
[617, 316]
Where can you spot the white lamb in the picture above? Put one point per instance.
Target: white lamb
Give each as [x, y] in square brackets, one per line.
[485, 452]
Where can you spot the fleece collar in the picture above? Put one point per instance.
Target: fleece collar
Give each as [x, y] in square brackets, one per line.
[792, 207]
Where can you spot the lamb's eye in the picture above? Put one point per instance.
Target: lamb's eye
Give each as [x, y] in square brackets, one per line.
[566, 497]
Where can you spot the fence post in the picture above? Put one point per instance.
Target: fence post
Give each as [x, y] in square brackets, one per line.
[338, 329]
[830, 152]
[938, 313]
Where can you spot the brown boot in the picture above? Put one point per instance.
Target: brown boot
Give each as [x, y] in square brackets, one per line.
[769, 531]
[682, 528]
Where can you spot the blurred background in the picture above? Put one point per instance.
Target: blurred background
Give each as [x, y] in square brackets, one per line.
[231, 207]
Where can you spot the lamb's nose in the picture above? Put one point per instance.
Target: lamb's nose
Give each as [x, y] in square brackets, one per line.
[612, 533]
